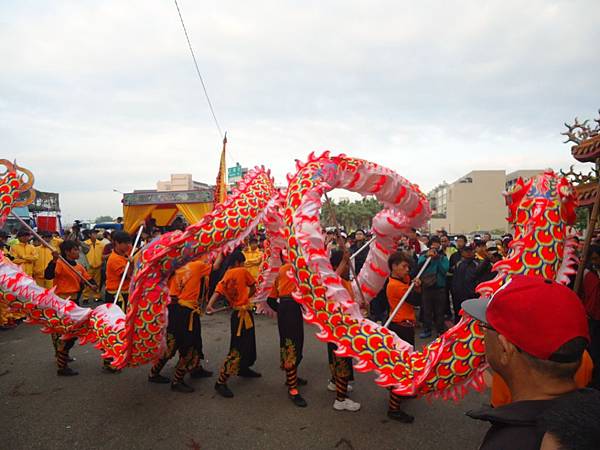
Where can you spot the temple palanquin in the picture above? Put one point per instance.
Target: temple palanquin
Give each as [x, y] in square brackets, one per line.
[586, 149]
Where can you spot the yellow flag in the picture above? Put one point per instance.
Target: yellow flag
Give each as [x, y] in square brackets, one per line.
[221, 186]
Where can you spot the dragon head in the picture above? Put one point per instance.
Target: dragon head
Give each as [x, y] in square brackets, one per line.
[16, 188]
[545, 191]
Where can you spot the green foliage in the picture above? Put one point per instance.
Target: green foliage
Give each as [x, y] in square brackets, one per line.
[351, 215]
[582, 219]
[102, 219]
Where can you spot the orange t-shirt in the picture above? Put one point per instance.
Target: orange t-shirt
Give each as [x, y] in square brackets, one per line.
[115, 266]
[235, 286]
[284, 285]
[65, 281]
[395, 291]
[187, 281]
[501, 394]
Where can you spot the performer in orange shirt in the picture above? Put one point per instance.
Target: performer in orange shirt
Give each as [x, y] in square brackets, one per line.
[403, 323]
[291, 330]
[115, 266]
[237, 286]
[184, 333]
[67, 285]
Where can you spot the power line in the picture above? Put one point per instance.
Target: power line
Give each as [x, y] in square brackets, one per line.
[198, 72]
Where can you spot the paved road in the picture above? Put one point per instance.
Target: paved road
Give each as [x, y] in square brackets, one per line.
[100, 411]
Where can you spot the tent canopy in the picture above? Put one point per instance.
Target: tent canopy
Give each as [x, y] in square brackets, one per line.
[164, 206]
[134, 216]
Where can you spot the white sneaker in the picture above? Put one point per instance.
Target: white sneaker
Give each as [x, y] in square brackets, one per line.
[331, 387]
[346, 405]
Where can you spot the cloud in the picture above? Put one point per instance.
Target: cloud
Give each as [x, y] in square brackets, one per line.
[103, 95]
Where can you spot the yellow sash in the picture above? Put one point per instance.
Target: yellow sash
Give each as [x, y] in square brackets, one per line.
[245, 318]
[195, 310]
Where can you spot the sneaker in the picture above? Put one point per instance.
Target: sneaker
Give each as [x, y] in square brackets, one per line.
[223, 390]
[400, 416]
[182, 387]
[66, 372]
[331, 387]
[158, 378]
[346, 405]
[71, 359]
[200, 372]
[298, 401]
[249, 373]
[425, 334]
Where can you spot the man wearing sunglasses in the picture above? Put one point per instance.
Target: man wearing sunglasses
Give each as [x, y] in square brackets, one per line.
[535, 334]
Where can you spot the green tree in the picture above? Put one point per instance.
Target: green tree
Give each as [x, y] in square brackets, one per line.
[350, 215]
[102, 219]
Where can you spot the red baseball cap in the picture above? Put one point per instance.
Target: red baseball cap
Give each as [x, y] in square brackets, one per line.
[537, 315]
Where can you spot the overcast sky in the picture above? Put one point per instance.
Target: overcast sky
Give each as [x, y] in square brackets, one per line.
[96, 95]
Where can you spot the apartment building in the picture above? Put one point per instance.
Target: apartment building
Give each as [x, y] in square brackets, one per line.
[180, 182]
[474, 202]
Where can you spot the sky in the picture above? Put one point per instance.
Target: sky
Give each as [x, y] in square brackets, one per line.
[103, 95]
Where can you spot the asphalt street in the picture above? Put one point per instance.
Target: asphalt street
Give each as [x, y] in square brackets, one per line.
[96, 410]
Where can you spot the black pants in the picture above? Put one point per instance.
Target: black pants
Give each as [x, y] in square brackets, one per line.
[339, 367]
[181, 338]
[242, 347]
[291, 332]
[61, 349]
[406, 334]
[434, 308]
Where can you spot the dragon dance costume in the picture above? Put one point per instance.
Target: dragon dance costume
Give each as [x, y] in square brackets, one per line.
[541, 210]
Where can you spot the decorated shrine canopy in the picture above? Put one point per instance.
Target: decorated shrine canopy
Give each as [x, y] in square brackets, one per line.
[586, 137]
[588, 150]
[163, 206]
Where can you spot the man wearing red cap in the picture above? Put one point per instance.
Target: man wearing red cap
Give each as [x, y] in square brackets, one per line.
[535, 334]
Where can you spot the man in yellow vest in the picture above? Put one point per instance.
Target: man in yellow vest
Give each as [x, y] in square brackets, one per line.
[56, 241]
[44, 256]
[94, 259]
[23, 252]
[254, 257]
